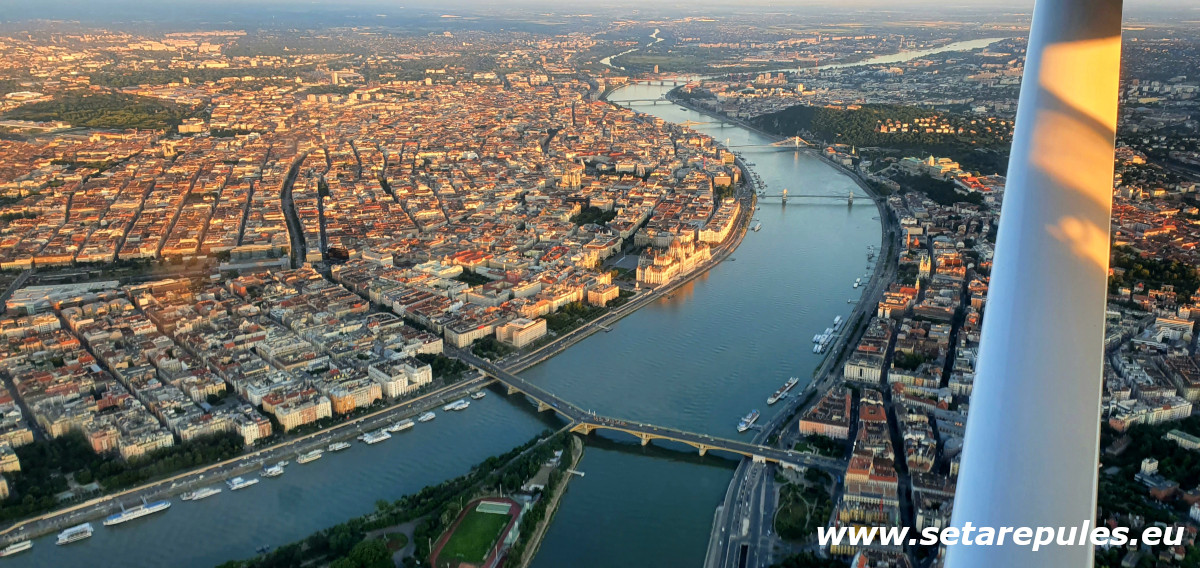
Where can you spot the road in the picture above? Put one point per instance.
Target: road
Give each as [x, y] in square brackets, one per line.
[16, 285]
[295, 233]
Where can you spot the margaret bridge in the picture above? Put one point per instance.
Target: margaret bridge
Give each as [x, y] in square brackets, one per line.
[584, 422]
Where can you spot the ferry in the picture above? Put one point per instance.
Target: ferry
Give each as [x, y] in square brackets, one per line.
[757, 226]
[240, 483]
[74, 534]
[783, 390]
[200, 493]
[401, 425]
[748, 421]
[16, 547]
[136, 512]
[460, 404]
[426, 417]
[310, 456]
[480, 394]
[273, 471]
[337, 446]
[376, 437]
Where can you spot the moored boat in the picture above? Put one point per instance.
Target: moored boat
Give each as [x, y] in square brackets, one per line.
[376, 437]
[200, 493]
[136, 512]
[310, 456]
[74, 534]
[460, 404]
[748, 421]
[783, 390]
[401, 425]
[426, 417]
[16, 547]
[241, 483]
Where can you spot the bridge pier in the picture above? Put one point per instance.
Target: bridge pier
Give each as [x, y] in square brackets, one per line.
[758, 459]
[703, 449]
[542, 407]
[645, 438]
[511, 390]
[584, 429]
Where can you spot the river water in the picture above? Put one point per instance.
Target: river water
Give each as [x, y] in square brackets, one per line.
[698, 360]
[306, 498]
[902, 56]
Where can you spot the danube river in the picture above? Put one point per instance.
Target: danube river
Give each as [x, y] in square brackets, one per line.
[304, 499]
[698, 360]
[705, 357]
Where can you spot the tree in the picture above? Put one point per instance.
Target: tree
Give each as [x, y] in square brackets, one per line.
[371, 553]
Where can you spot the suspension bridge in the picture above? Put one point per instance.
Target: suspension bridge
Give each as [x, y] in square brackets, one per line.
[786, 144]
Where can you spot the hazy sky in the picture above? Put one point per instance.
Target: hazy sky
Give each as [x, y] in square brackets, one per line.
[246, 12]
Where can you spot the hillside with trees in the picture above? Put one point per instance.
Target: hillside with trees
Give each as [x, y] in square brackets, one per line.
[982, 151]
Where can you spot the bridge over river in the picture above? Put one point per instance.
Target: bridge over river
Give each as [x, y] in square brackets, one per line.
[585, 422]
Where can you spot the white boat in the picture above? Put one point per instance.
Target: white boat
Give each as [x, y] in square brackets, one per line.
[310, 456]
[200, 493]
[460, 404]
[284, 463]
[337, 446]
[782, 392]
[748, 421]
[401, 425]
[240, 483]
[426, 417]
[757, 226]
[273, 471]
[480, 394]
[136, 512]
[16, 547]
[376, 437]
[74, 534]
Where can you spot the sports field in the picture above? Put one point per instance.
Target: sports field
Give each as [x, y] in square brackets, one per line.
[473, 539]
